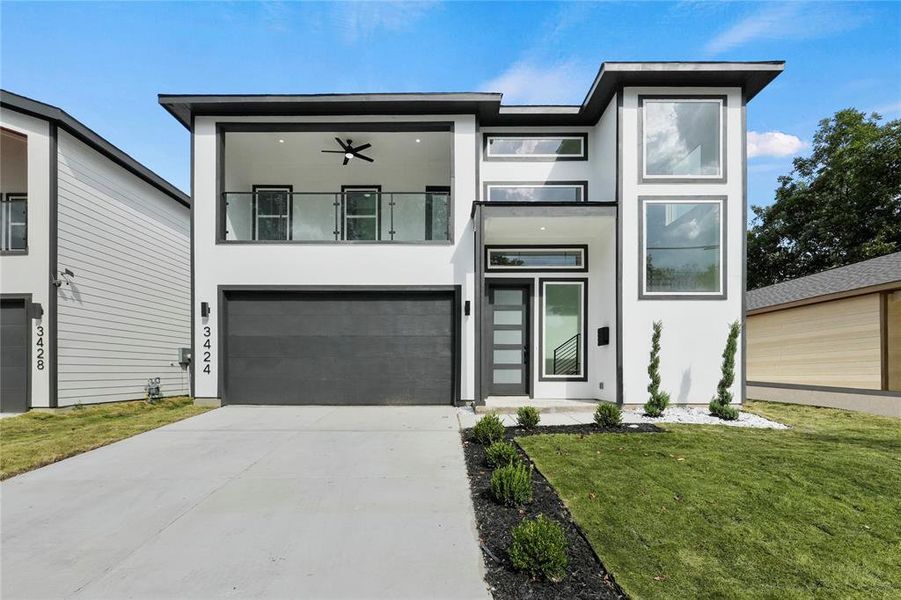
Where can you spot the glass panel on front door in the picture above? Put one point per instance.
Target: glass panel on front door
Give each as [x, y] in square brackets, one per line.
[509, 340]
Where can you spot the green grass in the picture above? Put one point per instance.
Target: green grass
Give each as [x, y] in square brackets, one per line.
[717, 512]
[36, 439]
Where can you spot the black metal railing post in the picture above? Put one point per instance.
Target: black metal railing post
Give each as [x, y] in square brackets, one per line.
[337, 204]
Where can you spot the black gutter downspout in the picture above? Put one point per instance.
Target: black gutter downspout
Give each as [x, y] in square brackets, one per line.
[619, 247]
[192, 365]
[742, 395]
[53, 291]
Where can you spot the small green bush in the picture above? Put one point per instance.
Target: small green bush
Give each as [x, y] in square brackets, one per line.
[527, 416]
[539, 547]
[488, 430]
[726, 412]
[511, 485]
[608, 415]
[500, 454]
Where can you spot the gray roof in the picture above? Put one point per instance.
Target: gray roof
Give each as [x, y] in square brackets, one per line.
[750, 76]
[865, 274]
[47, 112]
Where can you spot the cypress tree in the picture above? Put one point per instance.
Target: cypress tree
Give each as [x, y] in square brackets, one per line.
[657, 400]
[721, 405]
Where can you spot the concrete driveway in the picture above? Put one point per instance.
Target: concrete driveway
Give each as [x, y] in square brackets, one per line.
[252, 502]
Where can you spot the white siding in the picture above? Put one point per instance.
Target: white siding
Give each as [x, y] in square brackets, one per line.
[28, 273]
[127, 311]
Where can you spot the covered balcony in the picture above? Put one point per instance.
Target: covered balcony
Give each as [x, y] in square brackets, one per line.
[335, 186]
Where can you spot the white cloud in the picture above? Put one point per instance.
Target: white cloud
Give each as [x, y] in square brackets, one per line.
[360, 20]
[790, 21]
[773, 143]
[527, 83]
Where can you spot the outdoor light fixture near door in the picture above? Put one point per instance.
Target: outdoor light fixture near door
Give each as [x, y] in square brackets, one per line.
[66, 276]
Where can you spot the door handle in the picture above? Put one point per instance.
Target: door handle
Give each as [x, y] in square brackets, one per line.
[525, 354]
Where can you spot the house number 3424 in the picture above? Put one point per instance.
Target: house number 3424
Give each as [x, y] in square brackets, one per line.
[207, 350]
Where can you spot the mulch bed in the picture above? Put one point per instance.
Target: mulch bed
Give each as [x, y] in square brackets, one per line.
[586, 577]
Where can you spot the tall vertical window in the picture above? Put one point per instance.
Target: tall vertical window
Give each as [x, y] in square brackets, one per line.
[14, 223]
[682, 247]
[361, 213]
[563, 335]
[682, 138]
[272, 212]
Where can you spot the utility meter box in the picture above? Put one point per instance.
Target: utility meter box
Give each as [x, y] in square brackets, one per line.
[184, 356]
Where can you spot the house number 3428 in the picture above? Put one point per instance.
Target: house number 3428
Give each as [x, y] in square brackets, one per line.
[39, 348]
[207, 350]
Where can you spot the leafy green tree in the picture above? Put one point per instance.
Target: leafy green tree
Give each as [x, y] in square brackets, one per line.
[721, 405]
[840, 205]
[658, 400]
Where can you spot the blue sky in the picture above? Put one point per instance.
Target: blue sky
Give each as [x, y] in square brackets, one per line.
[105, 63]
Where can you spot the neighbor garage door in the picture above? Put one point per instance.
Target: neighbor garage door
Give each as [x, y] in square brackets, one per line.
[372, 347]
[13, 356]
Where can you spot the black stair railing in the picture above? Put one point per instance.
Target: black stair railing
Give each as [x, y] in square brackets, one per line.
[566, 356]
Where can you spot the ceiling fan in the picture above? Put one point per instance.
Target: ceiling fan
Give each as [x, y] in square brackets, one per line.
[349, 152]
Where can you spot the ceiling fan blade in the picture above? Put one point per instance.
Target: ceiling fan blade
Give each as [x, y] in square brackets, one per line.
[334, 151]
[346, 160]
[366, 158]
[359, 148]
[341, 143]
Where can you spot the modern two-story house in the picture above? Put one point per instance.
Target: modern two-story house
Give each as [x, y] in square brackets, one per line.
[440, 248]
[94, 266]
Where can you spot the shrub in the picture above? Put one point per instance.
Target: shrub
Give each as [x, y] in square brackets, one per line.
[539, 547]
[527, 416]
[489, 429]
[721, 405]
[726, 412]
[511, 485]
[658, 400]
[500, 454]
[608, 415]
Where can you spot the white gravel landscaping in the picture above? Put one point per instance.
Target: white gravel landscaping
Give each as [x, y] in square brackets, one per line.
[700, 416]
[689, 415]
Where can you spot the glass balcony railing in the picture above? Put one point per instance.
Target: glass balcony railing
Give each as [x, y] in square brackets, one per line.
[270, 215]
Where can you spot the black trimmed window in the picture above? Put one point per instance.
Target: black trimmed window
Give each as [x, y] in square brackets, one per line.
[14, 222]
[536, 258]
[682, 138]
[272, 212]
[361, 212]
[549, 191]
[564, 320]
[683, 244]
[536, 147]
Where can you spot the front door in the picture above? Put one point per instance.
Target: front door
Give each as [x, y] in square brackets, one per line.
[508, 339]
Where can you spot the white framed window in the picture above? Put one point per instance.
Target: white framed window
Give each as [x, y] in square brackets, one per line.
[550, 191]
[272, 212]
[536, 258]
[682, 138]
[362, 212]
[683, 247]
[14, 222]
[564, 344]
[541, 147]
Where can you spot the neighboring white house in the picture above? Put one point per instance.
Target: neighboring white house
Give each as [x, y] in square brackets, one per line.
[94, 266]
[443, 248]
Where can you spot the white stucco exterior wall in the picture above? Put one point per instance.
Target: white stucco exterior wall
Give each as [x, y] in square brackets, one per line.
[694, 331]
[329, 264]
[29, 273]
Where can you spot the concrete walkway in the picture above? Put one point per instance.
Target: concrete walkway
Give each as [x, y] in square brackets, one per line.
[252, 502]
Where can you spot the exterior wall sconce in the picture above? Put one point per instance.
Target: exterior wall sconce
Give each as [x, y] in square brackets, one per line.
[204, 309]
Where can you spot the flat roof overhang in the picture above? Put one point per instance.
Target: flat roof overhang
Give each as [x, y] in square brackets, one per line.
[752, 77]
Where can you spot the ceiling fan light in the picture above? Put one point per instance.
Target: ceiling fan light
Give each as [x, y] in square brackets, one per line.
[348, 155]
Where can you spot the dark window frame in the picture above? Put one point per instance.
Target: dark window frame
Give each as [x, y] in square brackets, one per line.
[254, 215]
[582, 184]
[722, 294]
[486, 156]
[429, 190]
[584, 345]
[6, 200]
[724, 105]
[583, 248]
[378, 209]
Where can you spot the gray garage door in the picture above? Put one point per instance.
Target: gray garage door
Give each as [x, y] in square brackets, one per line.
[13, 356]
[372, 347]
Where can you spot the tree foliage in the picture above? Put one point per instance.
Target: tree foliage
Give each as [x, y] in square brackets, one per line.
[721, 405]
[840, 205]
[658, 400]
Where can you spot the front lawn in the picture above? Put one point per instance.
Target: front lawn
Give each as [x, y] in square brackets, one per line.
[36, 439]
[712, 511]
